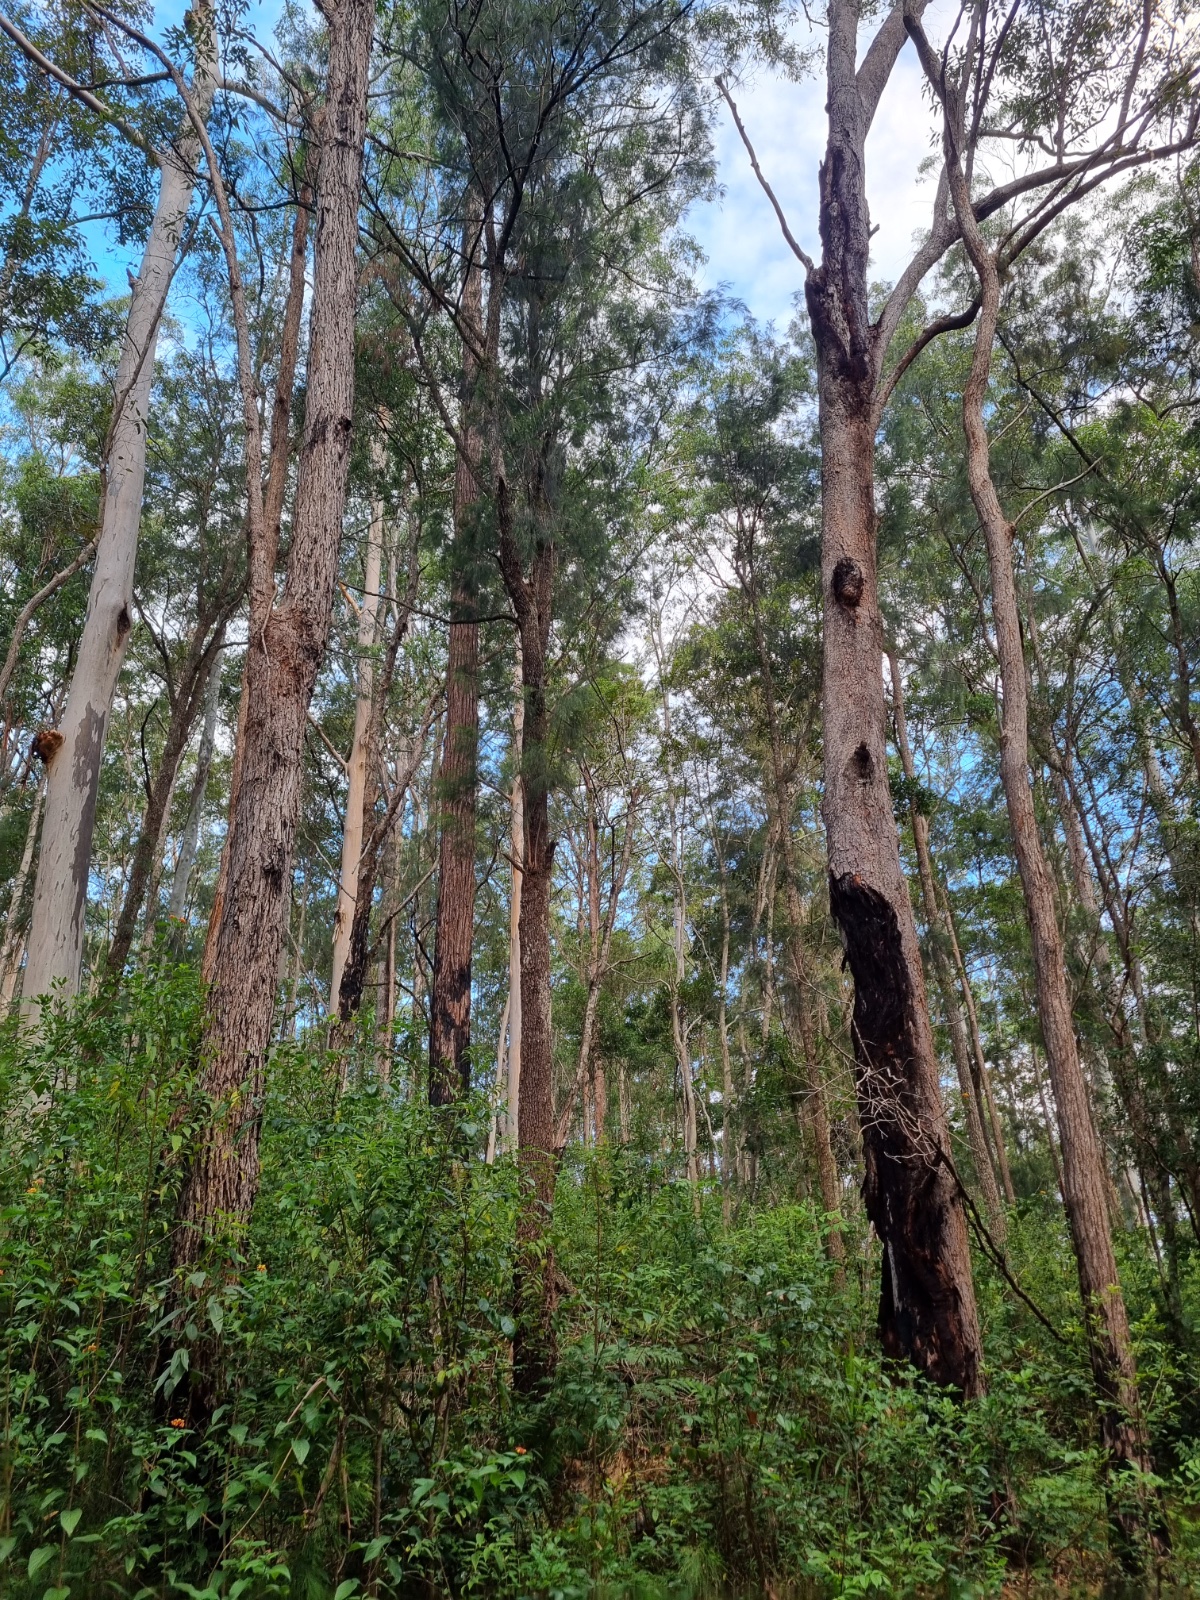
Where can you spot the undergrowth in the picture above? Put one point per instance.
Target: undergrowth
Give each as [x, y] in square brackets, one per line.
[721, 1419]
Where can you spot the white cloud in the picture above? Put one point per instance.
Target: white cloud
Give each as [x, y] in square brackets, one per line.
[739, 233]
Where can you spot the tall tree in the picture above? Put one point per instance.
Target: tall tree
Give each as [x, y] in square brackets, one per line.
[927, 1299]
[1085, 1177]
[288, 638]
[55, 947]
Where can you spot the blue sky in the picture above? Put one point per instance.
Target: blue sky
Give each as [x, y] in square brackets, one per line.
[786, 123]
[738, 231]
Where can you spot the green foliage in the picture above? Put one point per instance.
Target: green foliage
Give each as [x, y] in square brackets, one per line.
[720, 1416]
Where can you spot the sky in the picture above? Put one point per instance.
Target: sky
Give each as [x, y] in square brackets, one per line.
[739, 232]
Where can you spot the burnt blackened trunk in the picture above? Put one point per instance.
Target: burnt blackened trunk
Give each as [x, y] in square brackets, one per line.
[927, 1310]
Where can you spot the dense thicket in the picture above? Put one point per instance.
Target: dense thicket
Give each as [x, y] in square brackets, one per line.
[600, 942]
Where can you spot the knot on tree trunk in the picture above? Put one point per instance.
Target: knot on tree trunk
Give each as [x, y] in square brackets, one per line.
[848, 583]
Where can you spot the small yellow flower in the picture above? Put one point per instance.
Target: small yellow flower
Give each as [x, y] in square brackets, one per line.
[90, 1349]
[261, 1267]
[178, 1422]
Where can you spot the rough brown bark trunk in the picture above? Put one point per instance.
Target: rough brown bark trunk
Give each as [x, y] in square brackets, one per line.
[245, 942]
[1085, 1188]
[450, 993]
[534, 1353]
[927, 1307]
[972, 1111]
[264, 548]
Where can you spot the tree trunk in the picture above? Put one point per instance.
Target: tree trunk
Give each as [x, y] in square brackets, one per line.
[534, 1353]
[927, 1310]
[10, 950]
[818, 1115]
[60, 890]
[360, 751]
[683, 1061]
[972, 1109]
[264, 551]
[203, 662]
[983, 1075]
[454, 930]
[33, 605]
[517, 852]
[245, 941]
[1084, 1178]
[190, 843]
[589, 1072]
[727, 1143]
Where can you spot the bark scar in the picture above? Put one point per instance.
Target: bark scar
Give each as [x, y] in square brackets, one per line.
[848, 583]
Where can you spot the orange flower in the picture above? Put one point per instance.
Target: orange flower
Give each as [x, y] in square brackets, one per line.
[260, 1267]
[90, 1349]
[520, 1449]
[178, 1422]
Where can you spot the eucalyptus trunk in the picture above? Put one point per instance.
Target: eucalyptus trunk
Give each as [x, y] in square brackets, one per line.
[246, 938]
[189, 845]
[202, 661]
[970, 1091]
[1084, 1175]
[927, 1310]
[358, 766]
[534, 1351]
[55, 947]
[450, 991]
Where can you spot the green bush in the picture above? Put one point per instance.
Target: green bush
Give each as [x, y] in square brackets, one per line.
[720, 1420]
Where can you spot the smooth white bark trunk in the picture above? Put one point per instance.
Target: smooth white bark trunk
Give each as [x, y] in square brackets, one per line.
[60, 890]
[352, 833]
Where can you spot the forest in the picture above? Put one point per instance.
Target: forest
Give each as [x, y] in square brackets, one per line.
[599, 887]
